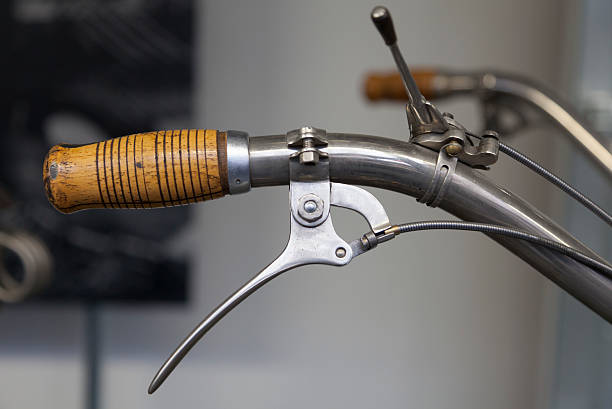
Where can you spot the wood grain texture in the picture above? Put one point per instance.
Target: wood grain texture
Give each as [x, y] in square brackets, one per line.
[390, 86]
[145, 170]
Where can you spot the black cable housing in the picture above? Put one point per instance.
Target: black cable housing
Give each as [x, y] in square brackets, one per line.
[556, 180]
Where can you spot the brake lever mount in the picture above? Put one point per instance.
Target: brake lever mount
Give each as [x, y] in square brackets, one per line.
[456, 143]
[312, 238]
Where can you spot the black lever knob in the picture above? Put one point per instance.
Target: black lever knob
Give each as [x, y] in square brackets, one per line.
[383, 22]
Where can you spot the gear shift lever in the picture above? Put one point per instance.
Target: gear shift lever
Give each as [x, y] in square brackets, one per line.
[422, 116]
[384, 23]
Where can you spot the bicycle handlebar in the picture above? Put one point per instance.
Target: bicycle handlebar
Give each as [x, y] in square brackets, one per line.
[354, 159]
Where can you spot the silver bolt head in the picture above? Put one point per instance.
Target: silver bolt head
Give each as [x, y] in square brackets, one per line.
[309, 157]
[310, 206]
[340, 252]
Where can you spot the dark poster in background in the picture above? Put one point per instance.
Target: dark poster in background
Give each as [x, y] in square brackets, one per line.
[76, 72]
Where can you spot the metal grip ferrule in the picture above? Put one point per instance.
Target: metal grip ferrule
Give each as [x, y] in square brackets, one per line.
[238, 170]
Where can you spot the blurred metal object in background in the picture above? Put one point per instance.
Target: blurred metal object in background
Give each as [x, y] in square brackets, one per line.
[26, 266]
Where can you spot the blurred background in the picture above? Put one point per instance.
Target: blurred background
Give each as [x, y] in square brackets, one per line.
[111, 293]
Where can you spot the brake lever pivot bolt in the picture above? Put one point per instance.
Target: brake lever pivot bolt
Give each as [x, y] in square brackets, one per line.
[310, 207]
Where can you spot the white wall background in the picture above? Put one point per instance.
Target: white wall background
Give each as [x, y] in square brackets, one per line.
[405, 326]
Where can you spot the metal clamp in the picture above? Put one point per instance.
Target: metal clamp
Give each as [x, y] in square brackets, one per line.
[443, 174]
[456, 143]
[309, 139]
[312, 238]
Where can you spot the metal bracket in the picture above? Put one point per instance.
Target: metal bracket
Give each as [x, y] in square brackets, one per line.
[436, 123]
[456, 143]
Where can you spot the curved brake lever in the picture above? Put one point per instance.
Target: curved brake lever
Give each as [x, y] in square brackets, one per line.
[312, 240]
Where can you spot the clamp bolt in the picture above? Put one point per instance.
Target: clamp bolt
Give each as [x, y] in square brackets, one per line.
[309, 139]
[453, 148]
[309, 154]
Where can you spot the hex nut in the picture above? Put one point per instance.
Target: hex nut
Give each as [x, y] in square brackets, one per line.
[309, 157]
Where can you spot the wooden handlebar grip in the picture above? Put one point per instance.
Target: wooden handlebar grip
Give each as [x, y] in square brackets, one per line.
[391, 87]
[145, 170]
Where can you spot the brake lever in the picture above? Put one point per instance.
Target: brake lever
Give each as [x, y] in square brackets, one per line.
[312, 238]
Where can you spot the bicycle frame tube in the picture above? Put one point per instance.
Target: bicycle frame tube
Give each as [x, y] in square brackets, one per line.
[408, 168]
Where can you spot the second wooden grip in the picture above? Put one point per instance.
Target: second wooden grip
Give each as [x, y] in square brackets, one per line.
[145, 170]
[390, 86]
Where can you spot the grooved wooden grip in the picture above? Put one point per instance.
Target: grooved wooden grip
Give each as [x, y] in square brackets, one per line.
[145, 170]
[391, 87]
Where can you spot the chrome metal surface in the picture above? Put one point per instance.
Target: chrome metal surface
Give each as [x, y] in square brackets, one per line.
[484, 154]
[301, 192]
[408, 168]
[309, 178]
[436, 141]
[296, 137]
[415, 98]
[363, 202]
[238, 172]
[562, 115]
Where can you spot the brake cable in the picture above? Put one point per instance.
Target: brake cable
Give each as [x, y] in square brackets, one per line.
[601, 267]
